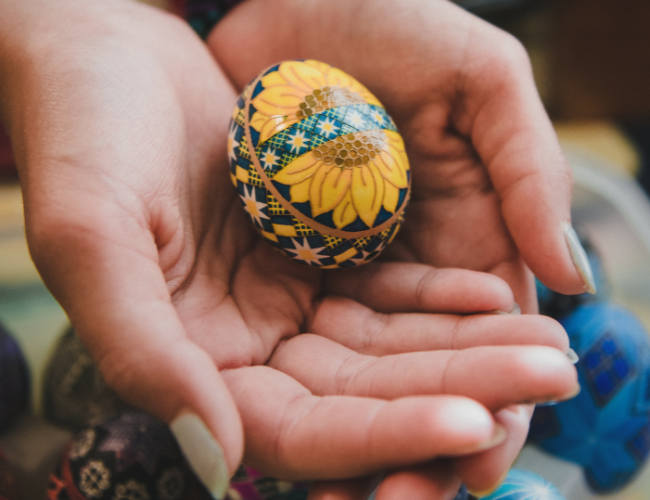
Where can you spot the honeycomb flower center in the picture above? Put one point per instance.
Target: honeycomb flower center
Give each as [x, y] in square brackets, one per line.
[351, 150]
[326, 98]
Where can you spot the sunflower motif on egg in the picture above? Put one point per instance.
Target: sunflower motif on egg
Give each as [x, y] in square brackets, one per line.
[319, 165]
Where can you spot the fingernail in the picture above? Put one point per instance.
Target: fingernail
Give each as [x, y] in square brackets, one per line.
[499, 435]
[573, 356]
[515, 311]
[579, 257]
[203, 452]
[554, 402]
[489, 491]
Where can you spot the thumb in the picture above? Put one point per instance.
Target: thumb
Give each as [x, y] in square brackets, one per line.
[103, 268]
[515, 139]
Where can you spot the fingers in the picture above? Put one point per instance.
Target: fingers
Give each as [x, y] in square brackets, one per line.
[108, 279]
[293, 434]
[485, 471]
[515, 139]
[391, 287]
[351, 489]
[361, 329]
[435, 480]
[494, 376]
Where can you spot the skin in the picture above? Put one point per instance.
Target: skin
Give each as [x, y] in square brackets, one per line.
[118, 116]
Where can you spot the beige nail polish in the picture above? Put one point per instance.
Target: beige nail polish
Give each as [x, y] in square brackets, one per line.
[202, 451]
[489, 491]
[579, 257]
[516, 310]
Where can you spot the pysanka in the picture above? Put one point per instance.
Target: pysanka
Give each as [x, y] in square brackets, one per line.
[318, 164]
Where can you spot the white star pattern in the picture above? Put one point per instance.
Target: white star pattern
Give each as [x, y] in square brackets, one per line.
[232, 143]
[327, 127]
[253, 207]
[360, 257]
[378, 118]
[354, 118]
[297, 141]
[270, 158]
[306, 253]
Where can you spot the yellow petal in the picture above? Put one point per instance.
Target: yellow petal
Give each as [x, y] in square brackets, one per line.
[344, 213]
[337, 77]
[392, 161]
[328, 188]
[280, 100]
[391, 197]
[367, 192]
[298, 170]
[300, 192]
[269, 126]
[301, 76]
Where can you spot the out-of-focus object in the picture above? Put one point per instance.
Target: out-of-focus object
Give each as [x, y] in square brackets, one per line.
[248, 484]
[606, 428]
[14, 380]
[599, 59]
[9, 489]
[524, 485]
[133, 456]
[74, 392]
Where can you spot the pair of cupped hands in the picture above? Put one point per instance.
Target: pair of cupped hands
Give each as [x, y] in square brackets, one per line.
[401, 371]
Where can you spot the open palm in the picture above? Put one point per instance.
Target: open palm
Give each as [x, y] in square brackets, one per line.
[120, 137]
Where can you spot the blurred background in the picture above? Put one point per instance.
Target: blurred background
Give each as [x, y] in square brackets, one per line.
[591, 60]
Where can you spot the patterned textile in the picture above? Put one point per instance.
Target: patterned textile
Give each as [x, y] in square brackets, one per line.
[203, 15]
[14, 380]
[74, 393]
[328, 183]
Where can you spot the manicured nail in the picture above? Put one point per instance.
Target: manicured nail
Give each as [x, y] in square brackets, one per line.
[573, 356]
[489, 491]
[558, 401]
[579, 257]
[499, 435]
[203, 452]
[515, 311]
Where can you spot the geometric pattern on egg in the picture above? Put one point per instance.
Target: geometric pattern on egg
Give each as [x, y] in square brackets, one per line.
[318, 164]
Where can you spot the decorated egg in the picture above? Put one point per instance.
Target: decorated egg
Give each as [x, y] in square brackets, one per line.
[606, 428]
[318, 164]
[74, 392]
[524, 485]
[135, 456]
[14, 380]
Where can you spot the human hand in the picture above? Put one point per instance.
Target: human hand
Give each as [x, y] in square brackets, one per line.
[491, 189]
[132, 222]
